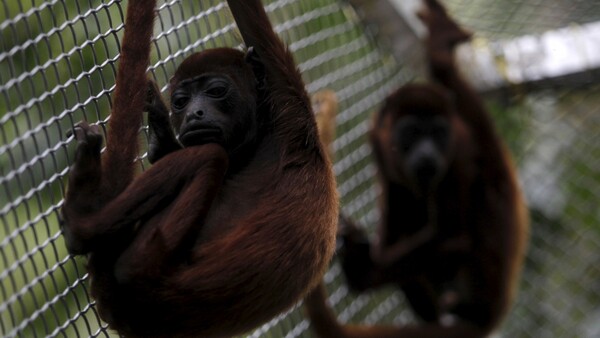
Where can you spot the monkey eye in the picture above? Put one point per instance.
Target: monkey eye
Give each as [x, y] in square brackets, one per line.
[180, 101]
[408, 136]
[217, 90]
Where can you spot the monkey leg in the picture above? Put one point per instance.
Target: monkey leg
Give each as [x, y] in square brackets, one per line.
[83, 197]
[364, 271]
[166, 243]
[387, 256]
[151, 193]
[86, 172]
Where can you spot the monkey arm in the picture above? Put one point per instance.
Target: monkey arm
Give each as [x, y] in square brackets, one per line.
[283, 81]
[471, 108]
[444, 36]
[385, 257]
[257, 32]
[162, 139]
[368, 266]
[425, 246]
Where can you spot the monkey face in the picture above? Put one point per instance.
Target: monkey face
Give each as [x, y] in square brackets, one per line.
[212, 108]
[214, 99]
[413, 136]
[421, 143]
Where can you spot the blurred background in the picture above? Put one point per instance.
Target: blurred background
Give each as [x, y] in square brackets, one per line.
[536, 62]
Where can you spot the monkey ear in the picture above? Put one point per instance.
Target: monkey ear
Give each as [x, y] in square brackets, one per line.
[258, 67]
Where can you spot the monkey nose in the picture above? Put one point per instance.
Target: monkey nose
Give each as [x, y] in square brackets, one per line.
[194, 115]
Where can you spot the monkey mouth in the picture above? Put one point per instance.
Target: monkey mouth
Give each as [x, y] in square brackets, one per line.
[202, 135]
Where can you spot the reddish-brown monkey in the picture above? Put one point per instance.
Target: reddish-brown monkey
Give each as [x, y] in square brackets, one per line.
[236, 219]
[454, 223]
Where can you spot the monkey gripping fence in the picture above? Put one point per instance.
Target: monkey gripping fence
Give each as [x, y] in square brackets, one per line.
[57, 66]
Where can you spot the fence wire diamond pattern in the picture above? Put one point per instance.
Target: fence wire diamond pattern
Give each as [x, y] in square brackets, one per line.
[57, 66]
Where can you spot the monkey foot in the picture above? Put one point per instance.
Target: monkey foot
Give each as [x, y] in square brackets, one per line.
[86, 133]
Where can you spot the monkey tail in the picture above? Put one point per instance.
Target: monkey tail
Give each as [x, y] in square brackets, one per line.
[322, 319]
[129, 97]
[325, 324]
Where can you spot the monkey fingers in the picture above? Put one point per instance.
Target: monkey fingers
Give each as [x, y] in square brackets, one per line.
[89, 145]
[154, 103]
[86, 133]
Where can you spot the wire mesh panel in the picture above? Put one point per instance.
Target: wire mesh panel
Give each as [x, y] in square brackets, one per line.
[554, 133]
[57, 66]
[509, 18]
[559, 161]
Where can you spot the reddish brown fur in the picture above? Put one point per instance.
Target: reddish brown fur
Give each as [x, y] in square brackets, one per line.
[481, 229]
[187, 250]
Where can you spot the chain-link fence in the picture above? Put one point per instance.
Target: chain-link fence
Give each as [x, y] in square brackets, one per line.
[57, 66]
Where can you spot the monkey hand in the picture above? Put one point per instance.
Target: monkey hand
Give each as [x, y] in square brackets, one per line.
[357, 263]
[154, 104]
[354, 250]
[88, 138]
[75, 245]
[162, 140]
